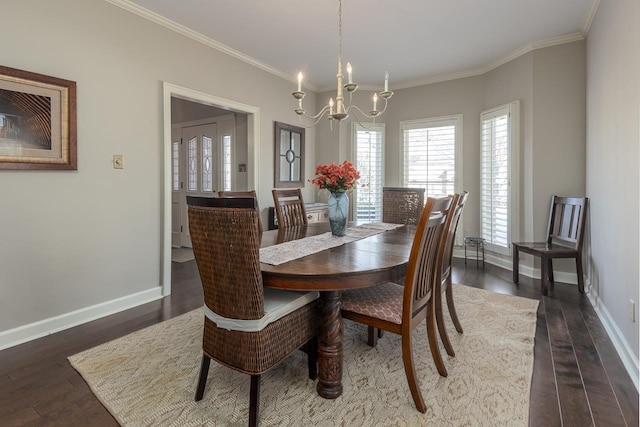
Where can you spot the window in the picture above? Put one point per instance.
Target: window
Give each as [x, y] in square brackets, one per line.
[368, 145]
[226, 162]
[498, 173]
[175, 165]
[207, 163]
[432, 154]
[192, 159]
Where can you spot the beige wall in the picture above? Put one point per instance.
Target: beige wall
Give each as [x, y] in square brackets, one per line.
[550, 85]
[612, 162]
[71, 240]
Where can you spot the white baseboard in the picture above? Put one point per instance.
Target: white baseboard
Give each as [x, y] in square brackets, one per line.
[22, 334]
[525, 270]
[621, 345]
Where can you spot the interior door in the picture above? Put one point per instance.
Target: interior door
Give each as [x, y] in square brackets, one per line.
[199, 151]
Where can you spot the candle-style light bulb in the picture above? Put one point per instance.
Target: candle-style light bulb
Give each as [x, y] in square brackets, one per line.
[349, 71]
[375, 101]
[300, 82]
[330, 105]
[386, 81]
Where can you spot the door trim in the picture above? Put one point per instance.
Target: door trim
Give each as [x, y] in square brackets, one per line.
[253, 147]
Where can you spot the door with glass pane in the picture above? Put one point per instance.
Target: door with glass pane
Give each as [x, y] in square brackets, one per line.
[199, 151]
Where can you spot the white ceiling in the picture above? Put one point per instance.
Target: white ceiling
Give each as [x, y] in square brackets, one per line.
[417, 41]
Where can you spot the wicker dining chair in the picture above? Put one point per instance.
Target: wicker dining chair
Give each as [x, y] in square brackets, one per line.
[250, 193]
[402, 205]
[289, 206]
[446, 289]
[400, 309]
[247, 328]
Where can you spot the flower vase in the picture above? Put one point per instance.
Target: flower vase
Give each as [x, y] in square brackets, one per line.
[338, 212]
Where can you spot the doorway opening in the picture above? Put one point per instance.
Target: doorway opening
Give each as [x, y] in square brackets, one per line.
[198, 113]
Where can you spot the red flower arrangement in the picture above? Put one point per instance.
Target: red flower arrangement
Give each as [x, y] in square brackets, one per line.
[336, 178]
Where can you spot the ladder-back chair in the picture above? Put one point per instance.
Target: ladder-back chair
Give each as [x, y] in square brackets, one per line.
[289, 206]
[564, 240]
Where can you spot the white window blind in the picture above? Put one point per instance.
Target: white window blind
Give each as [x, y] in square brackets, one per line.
[368, 144]
[430, 154]
[498, 136]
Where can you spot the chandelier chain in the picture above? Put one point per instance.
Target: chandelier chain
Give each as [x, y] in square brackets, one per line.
[340, 31]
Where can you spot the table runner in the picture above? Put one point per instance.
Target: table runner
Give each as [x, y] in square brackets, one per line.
[288, 251]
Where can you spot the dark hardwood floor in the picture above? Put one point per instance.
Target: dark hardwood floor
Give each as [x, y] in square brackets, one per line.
[578, 378]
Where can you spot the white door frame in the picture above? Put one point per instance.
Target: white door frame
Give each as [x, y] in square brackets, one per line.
[253, 145]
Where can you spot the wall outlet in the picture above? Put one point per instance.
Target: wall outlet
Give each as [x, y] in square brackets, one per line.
[118, 161]
[632, 305]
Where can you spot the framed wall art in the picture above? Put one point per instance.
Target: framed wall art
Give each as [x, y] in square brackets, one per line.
[37, 121]
[289, 167]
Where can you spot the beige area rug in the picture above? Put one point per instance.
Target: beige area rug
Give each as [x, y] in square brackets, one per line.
[182, 254]
[148, 378]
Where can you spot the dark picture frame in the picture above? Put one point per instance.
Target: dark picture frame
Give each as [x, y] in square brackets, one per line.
[289, 156]
[38, 122]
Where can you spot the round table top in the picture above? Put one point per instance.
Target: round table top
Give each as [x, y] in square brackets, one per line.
[365, 262]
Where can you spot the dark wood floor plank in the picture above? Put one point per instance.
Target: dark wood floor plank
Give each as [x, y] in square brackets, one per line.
[625, 391]
[42, 389]
[20, 418]
[574, 406]
[600, 394]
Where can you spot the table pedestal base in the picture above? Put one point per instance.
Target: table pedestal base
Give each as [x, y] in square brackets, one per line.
[330, 345]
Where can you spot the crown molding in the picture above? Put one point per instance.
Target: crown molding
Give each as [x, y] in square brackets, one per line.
[181, 29]
[529, 47]
[592, 14]
[194, 35]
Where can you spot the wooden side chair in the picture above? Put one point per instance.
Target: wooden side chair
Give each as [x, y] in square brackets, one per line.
[564, 240]
[400, 309]
[247, 328]
[289, 206]
[250, 194]
[448, 241]
[402, 205]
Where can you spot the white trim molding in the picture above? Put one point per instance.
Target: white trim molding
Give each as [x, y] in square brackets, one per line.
[41, 328]
[621, 345]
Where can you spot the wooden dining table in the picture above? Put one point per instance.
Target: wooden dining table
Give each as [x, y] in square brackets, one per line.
[379, 258]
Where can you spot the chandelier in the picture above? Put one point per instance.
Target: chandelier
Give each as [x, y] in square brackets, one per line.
[339, 111]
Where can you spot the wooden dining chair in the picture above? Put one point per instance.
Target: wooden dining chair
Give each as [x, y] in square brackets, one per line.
[565, 231]
[402, 205]
[446, 288]
[289, 206]
[247, 328]
[249, 193]
[400, 309]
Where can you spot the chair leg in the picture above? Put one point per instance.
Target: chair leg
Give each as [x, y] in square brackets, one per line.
[551, 270]
[452, 307]
[410, 372]
[544, 276]
[254, 400]
[516, 262]
[441, 326]
[580, 273]
[312, 358]
[372, 336]
[433, 340]
[204, 372]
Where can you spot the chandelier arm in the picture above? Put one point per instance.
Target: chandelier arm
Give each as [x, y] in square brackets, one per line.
[315, 118]
[368, 116]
